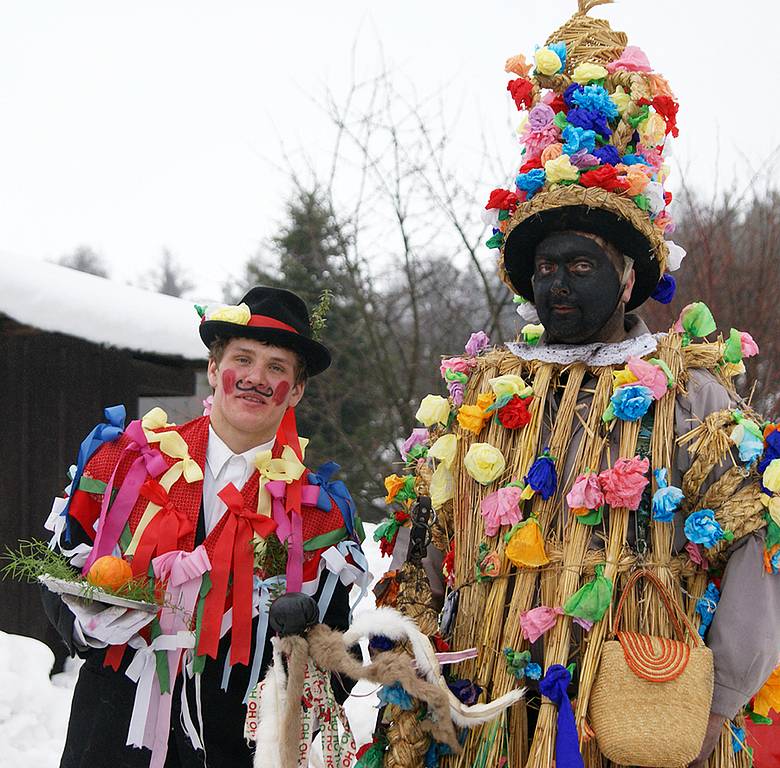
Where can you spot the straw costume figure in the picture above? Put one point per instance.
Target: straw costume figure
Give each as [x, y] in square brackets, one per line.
[592, 451]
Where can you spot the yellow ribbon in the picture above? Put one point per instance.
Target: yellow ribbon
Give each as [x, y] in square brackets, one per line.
[287, 467]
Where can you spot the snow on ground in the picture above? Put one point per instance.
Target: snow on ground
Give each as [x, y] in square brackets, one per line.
[34, 710]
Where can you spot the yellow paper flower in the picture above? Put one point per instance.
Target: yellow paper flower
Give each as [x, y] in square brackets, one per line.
[622, 377]
[472, 418]
[584, 73]
[772, 504]
[771, 478]
[434, 409]
[511, 385]
[733, 369]
[517, 65]
[620, 99]
[240, 314]
[526, 547]
[444, 449]
[547, 62]
[560, 169]
[393, 484]
[442, 486]
[484, 462]
[652, 130]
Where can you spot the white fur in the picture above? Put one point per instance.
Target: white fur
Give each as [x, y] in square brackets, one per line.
[270, 714]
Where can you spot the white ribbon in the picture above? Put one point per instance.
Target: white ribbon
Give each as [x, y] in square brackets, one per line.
[341, 570]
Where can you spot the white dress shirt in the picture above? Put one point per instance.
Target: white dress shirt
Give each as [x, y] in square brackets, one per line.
[223, 467]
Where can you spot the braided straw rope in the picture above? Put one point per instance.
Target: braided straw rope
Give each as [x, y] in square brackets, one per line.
[407, 740]
[589, 197]
[710, 444]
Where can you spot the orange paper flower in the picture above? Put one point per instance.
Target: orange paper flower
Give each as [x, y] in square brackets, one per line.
[393, 484]
[526, 547]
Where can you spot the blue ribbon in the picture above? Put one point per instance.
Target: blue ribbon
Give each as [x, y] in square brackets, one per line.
[105, 432]
[334, 490]
[567, 748]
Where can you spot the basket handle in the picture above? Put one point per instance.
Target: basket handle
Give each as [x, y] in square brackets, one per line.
[672, 609]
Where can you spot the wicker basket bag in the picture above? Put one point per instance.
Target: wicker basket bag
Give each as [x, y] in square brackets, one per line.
[651, 698]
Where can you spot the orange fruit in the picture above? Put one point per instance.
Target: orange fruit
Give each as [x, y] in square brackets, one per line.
[109, 572]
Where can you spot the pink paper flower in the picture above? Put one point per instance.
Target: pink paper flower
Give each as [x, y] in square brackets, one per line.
[476, 343]
[537, 621]
[536, 141]
[653, 157]
[502, 507]
[419, 436]
[633, 59]
[624, 483]
[586, 492]
[649, 375]
[457, 364]
[749, 346]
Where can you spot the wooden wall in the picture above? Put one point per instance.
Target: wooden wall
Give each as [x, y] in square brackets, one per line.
[55, 388]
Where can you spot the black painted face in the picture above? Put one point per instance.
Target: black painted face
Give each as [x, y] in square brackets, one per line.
[576, 287]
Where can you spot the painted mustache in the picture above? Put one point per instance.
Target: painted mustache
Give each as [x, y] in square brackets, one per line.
[268, 392]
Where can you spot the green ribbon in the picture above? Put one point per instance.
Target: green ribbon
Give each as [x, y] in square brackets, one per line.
[591, 601]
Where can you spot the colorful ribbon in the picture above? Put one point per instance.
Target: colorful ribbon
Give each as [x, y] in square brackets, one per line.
[553, 685]
[234, 546]
[341, 570]
[286, 468]
[105, 432]
[334, 490]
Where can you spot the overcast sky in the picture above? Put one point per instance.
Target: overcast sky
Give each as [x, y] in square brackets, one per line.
[148, 124]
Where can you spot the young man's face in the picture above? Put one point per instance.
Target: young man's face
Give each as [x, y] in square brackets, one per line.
[577, 287]
[254, 384]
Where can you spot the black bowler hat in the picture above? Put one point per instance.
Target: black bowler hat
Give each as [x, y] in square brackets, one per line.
[276, 316]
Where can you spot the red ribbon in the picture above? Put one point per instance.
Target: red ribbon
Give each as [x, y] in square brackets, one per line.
[163, 532]
[263, 321]
[233, 547]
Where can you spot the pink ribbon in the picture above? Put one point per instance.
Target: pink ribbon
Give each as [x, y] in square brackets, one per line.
[290, 527]
[537, 621]
[151, 719]
[150, 462]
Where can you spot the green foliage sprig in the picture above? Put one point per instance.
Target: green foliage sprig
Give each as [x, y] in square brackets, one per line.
[320, 314]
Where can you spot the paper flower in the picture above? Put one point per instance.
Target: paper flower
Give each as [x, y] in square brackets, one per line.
[465, 691]
[484, 462]
[620, 99]
[706, 606]
[517, 65]
[631, 402]
[584, 73]
[575, 139]
[418, 436]
[526, 544]
[239, 314]
[621, 377]
[508, 386]
[472, 418]
[560, 169]
[624, 483]
[395, 694]
[444, 449]
[477, 342]
[633, 59]
[667, 499]
[540, 117]
[547, 62]
[648, 375]
[532, 332]
[749, 346]
[515, 414]
[537, 621]
[433, 409]
[585, 494]
[769, 695]
[488, 564]
[748, 439]
[551, 151]
[696, 554]
[676, 255]
[590, 602]
[456, 364]
[652, 130]
[502, 507]
[771, 477]
[542, 477]
[522, 91]
[530, 182]
[393, 484]
[701, 527]
[771, 450]
[442, 486]
[664, 292]
[695, 320]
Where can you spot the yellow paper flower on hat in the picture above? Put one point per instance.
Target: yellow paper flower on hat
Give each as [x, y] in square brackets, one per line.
[652, 130]
[771, 479]
[442, 486]
[622, 377]
[526, 547]
[434, 409]
[444, 449]
[517, 65]
[560, 169]
[239, 314]
[584, 73]
[547, 62]
[620, 99]
[509, 385]
[484, 462]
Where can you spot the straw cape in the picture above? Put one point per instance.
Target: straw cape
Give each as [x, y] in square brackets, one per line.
[555, 471]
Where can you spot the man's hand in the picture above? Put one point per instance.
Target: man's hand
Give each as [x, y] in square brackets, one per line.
[110, 625]
[711, 736]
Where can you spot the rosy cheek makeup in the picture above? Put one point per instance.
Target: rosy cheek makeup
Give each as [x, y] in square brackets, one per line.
[281, 392]
[229, 381]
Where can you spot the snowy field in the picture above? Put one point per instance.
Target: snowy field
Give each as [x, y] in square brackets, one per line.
[34, 710]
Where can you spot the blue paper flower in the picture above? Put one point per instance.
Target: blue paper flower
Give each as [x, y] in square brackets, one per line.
[737, 738]
[705, 607]
[531, 182]
[533, 671]
[631, 402]
[702, 528]
[570, 92]
[666, 500]
[560, 49]
[751, 448]
[772, 451]
[608, 155]
[542, 476]
[596, 98]
[466, 691]
[395, 694]
[577, 139]
[665, 290]
[633, 160]
[774, 562]
[589, 119]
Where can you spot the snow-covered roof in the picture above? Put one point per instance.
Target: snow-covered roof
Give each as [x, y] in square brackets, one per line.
[55, 298]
